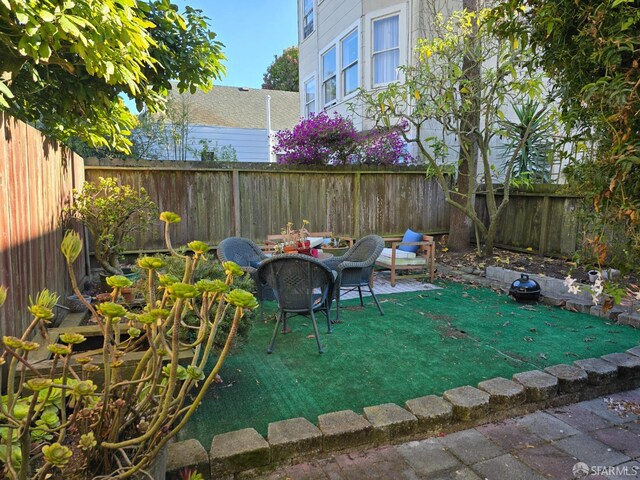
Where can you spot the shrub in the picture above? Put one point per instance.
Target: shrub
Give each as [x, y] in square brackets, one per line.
[112, 213]
[319, 140]
[64, 423]
[383, 147]
[208, 268]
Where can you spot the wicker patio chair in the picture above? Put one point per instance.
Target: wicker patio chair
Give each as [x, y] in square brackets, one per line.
[248, 256]
[355, 267]
[302, 286]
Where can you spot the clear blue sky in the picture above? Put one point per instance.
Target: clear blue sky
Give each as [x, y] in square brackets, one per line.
[253, 31]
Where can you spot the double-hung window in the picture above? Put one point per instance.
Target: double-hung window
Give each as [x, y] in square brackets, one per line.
[309, 97]
[307, 18]
[386, 49]
[329, 76]
[349, 61]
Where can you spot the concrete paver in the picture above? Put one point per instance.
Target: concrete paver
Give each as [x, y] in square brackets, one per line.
[542, 445]
[547, 426]
[549, 461]
[470, 446]
[506, 466]
[509, 435]
[589, 450]
[428, 457]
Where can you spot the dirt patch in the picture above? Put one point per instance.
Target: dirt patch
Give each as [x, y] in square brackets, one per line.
[520, 261]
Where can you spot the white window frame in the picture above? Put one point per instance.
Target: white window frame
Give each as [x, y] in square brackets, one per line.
[336, 44]
[403, 34]
[311, 13]
[305, 104]
[324, 79]
[355, 63]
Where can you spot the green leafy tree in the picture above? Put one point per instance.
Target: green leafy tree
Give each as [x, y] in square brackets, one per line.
[589, 51]
[451, 104]
[66, 65]
[282, 74]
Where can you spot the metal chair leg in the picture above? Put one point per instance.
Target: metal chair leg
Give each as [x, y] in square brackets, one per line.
[375, 299]
[360, 294]
[327, 312]
[337, 320]
[315, 329]
[275, 332]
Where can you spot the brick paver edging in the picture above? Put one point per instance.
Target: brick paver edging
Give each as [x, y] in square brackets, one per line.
[296, 440]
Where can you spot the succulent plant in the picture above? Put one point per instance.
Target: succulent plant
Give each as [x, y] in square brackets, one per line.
[120, 423]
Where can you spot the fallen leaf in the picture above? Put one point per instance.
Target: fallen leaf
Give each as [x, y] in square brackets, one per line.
[311, 336]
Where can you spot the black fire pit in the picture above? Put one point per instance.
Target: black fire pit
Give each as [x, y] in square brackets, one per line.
[525, 290]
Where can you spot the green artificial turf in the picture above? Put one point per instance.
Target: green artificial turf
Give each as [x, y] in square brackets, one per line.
[426, 343]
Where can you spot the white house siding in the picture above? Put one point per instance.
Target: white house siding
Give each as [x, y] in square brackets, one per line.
[336, 18]
[251, 145]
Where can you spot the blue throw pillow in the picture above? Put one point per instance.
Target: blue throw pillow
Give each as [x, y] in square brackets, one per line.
[410, 236]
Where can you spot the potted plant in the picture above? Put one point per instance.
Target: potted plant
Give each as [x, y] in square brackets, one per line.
[295, 240]
[64, 425]
[112, 213]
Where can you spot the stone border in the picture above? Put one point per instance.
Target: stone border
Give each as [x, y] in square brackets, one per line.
[555, 293]
[296, 440]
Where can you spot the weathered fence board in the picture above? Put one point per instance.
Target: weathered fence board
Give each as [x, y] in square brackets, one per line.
[36, 178]
[343, 201]
[544, 222]
[256, 200]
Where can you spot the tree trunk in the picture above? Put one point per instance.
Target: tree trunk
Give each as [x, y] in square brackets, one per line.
[460, 225]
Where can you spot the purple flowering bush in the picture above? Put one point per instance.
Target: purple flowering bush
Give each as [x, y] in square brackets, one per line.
[384, 147]
[318, 140]
[325, 140]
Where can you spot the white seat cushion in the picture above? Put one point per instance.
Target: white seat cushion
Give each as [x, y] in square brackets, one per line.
[401, 261]
[386, 252]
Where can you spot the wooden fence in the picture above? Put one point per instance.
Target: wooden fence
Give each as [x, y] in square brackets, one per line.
[36, 178]
[543, 221]
[256, 200]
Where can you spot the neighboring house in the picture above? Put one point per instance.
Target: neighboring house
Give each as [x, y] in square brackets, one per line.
[345, 45]
[227, 116]
[349, 44]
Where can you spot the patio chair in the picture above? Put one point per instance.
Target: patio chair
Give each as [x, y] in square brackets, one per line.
[355, 268]
[248, 256]
[402, 257]
[302, 286]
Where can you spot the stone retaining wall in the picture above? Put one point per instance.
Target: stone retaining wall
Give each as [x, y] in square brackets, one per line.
[554, 292]
[244, 453]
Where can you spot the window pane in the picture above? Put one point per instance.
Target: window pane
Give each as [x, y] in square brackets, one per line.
[329, 64]
[350, 79]
[384, 66]
[329, 88]
[307, 28]
[385, 34]
[310, 91]
[350, 49]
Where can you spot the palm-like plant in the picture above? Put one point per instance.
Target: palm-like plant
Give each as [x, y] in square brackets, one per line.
[530, 133]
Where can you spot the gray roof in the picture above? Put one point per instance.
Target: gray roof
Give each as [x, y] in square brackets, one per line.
[243, 108]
